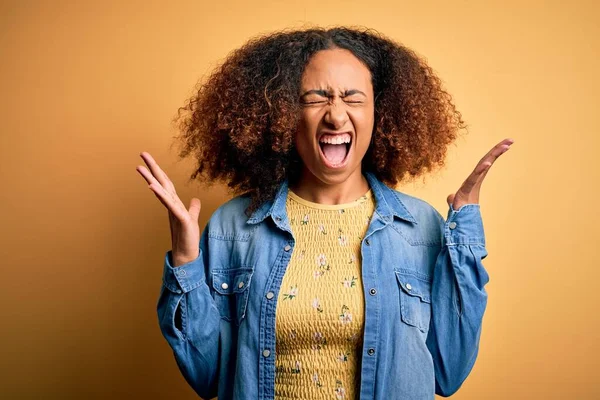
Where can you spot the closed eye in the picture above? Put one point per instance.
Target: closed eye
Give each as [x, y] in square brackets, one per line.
[325, 101]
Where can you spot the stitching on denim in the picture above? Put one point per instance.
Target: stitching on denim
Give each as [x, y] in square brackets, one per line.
[464, 240]
[421, 276]
[171, 288]
[429, 243]
[241, 296]
[233, 237]
[402, 205]
[179, 333]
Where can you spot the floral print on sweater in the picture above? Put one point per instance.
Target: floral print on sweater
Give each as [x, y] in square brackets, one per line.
[320, 307]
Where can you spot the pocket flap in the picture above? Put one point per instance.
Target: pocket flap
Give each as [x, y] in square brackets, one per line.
[231, 281]
[414, 284]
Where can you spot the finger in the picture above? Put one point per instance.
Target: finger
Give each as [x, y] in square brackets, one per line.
[167, 200]
[158, 173]
[493, 155]
[475, 179]
[482, 168]
[194, 210]
[150, 179]
[153, 181]
[499, 148]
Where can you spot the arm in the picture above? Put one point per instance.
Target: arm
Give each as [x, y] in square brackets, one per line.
[190, 321]
[458, 298]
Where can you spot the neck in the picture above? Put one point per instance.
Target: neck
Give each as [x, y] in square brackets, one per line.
[313, 189]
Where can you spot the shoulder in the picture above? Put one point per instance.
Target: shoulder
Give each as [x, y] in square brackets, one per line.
[429, 221]
[233, 208]
[228, 221]
[405, 206]
[418, 207]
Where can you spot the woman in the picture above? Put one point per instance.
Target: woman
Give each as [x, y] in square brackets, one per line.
[319, 280]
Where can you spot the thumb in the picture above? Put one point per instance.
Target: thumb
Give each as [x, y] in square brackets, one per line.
[450, 199]
[195, 208]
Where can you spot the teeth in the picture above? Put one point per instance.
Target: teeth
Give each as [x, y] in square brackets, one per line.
[336, 139]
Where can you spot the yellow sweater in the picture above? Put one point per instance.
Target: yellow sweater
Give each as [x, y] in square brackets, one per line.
[320, 308]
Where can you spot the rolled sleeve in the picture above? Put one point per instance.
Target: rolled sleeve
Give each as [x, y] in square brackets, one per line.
[464, 226]
[184, 278]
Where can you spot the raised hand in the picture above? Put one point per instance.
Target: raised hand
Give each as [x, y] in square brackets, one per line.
[468, 193]
[185, 231]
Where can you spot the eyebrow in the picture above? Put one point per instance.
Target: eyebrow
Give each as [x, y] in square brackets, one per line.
[327, 93]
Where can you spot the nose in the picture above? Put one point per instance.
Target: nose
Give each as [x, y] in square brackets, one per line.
[336, 114]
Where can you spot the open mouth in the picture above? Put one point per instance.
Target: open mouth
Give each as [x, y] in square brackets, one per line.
[335, 148]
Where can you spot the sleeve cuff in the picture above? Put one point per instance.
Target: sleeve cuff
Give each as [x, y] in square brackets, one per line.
[464, 226]
[184, 278]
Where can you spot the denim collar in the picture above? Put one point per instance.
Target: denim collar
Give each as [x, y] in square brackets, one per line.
[387, 204]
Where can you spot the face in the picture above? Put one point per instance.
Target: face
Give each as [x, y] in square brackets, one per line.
[337, 116]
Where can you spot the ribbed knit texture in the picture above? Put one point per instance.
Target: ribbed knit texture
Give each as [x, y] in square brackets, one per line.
[320, 308]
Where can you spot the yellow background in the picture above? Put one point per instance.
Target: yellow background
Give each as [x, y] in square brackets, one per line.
[86, 87]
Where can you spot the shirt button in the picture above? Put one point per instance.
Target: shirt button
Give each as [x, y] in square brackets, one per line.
[368, 242]
[452, 225]
[287, 247]
[266, 353]
[277, 219]
[270, 295]
[371, 351]
[241, 285]
[224, 285]
[408, 286]
[373, 291]
[182, 272]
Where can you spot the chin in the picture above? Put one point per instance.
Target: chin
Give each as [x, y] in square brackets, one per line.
[335, 177]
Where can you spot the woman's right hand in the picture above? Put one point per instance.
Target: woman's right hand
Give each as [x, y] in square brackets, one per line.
[185, 230]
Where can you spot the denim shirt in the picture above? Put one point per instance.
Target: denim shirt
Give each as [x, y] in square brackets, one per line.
[424, 298]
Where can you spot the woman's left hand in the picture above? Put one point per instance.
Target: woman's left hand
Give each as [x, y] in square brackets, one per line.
[469, 190]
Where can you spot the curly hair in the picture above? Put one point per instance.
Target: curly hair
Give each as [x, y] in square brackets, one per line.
[240, 123]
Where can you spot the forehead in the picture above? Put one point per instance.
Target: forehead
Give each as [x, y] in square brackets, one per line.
[336, 69]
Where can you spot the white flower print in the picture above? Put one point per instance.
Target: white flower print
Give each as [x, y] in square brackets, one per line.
[296, 369]
[291, 294]
[304, 220]
[345, 316]
[343, 357]
[317, 305]
[319, 341]
[340, 392]
[352, 259]
[343, 239]
[322, 229]
[318, 336]
[348, 283]
[321, 260]
[316, 381]
[323, 266]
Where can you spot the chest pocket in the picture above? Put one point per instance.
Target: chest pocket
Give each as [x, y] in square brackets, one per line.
[231, 290]
[415, 299]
